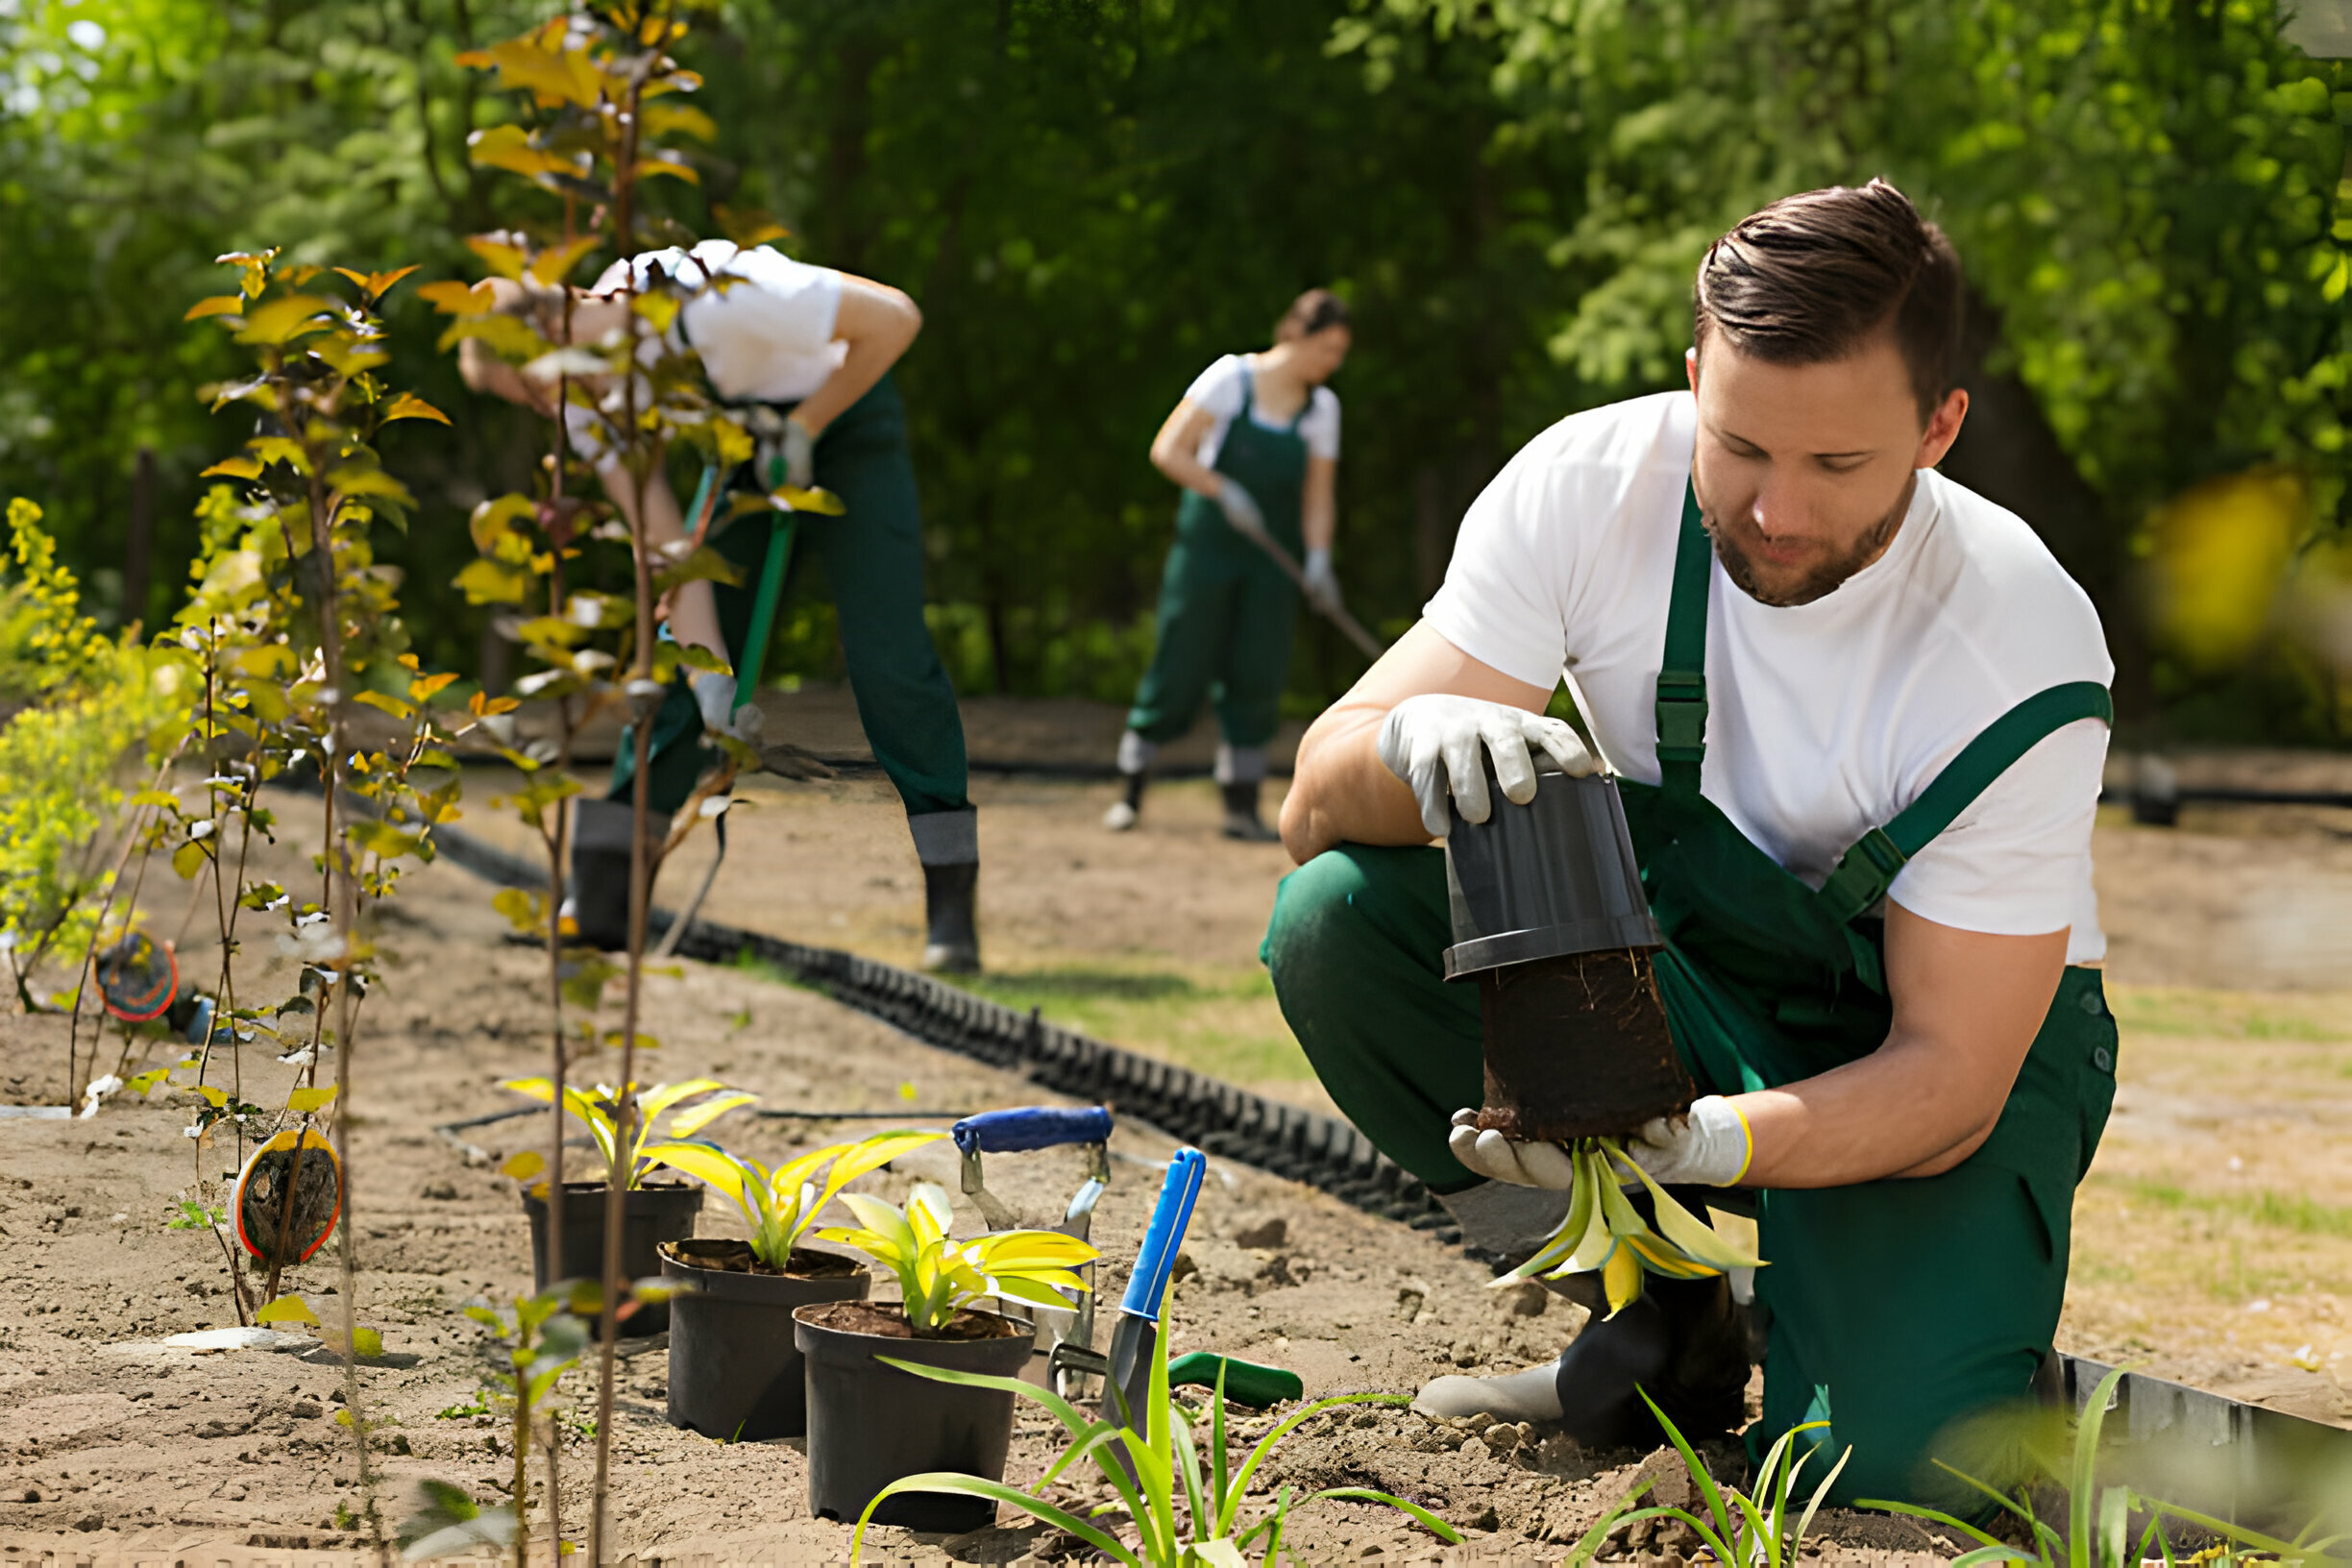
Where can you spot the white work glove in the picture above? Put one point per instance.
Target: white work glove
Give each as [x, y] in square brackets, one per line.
[1431, 743]
[715, 695]
[1710, 1146]
[1507, 1159]
[800, 455]
[1241, 507]
[1322, 583]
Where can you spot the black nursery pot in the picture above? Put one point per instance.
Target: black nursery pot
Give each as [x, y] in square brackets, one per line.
[870, 1425]
[1549, 918]
[650, 1215]
[735, 1371]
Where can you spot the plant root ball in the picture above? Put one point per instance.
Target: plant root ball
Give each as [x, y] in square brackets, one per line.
[264, 1204]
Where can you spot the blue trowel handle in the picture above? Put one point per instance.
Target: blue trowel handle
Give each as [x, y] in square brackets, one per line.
[1032, 1127]
[1177, 1196]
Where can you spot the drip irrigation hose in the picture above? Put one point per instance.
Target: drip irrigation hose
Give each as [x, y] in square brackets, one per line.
[1217, 1117]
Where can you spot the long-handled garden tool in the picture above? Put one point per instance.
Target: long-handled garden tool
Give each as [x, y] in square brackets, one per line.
[753, 655]
[1367, 644]
[1022, 1131]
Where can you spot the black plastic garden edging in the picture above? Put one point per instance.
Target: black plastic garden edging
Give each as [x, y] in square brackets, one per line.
[1233, 1123]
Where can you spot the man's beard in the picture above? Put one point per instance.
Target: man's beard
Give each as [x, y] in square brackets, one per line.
[1819, 582]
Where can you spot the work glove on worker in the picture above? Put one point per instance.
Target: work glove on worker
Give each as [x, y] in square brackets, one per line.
[1241, 507]
[1431, 743]
[1709, 1145]
[1322, 582]
[799, 453]
[715, 695]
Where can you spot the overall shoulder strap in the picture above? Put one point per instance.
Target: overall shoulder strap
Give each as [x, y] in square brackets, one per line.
[1867, 870]
[1681, 687]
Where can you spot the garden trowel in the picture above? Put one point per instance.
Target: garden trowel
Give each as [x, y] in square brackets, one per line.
[1126, 1371]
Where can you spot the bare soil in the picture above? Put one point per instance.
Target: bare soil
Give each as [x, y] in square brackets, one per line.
[2213, 1239]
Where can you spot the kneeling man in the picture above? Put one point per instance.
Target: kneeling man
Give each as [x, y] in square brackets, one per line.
[1859, 715]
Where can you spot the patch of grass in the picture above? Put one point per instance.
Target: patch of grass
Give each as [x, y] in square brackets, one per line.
[2325, 1019]
[1221, 1021]
[2277, 1210]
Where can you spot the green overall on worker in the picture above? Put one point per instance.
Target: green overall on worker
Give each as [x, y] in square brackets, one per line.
[803, 356]
[1859, 715]
[1255, 443]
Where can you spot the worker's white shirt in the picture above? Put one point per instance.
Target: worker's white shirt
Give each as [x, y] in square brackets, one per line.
[1219, 388]
[1824, 720]
[762, 323]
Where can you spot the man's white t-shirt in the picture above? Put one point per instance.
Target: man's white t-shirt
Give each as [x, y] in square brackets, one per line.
[1219, 389]
[1824, 720]
[762, 323]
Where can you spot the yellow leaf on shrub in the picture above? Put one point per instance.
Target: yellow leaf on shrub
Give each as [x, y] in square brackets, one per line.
[305, 1100]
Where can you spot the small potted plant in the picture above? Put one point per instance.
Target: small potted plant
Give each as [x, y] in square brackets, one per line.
[870, 1424]
[1551, 920]
[650, 1215]
[735, 1372]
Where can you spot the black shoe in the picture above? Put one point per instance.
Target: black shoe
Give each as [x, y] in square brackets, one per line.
[599, 903]
[953, 944]
[1682, 1341]
[1241, 819]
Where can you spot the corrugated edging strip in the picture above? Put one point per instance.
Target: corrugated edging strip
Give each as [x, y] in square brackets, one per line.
[1219, 1117]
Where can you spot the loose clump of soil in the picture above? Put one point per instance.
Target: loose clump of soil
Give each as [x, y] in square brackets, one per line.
[1601, 1011]
[732, 1256]
[886, 1320]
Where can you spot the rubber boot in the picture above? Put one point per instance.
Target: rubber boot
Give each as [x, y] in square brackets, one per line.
[953, 944]
[1685, 1341]
[599, 903]
[1241, 819]
[1126, 810]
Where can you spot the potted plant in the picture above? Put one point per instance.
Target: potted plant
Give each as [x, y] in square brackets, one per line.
[870, 1422]
[1550, 917]
[1170, 1464]
[735, 1371]
[650, 1215]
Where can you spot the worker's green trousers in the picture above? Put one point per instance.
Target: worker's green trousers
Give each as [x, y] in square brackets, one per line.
[1225, 619]
[873, 559]
[1896, 1305]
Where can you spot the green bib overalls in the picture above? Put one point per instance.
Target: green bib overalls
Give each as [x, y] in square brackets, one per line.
[1896, 1305]
[873, 560]
[1225, 607]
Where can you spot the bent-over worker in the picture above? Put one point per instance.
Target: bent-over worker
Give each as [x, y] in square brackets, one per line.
[1859, 715]
[1255, 443]
[803, 353]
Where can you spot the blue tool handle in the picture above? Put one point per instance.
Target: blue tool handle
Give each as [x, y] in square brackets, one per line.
[1032, 1127]
[1177, 1196]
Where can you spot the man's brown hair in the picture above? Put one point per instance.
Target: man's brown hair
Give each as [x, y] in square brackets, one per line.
[1815, 277]
[1310, 313]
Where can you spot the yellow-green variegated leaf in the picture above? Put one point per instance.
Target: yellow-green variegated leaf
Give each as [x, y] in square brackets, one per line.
[1014, 1287]
[653, 1102]
[888, 1225]
[695, 1118]
[1694, 1236]
[722, 1172]
[1621, 1279]
[1659, 1257]
[1561, 1244]
[1021, 1251]
[929, 1212]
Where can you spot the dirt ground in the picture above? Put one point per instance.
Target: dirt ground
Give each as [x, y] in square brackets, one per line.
[2214, 1241]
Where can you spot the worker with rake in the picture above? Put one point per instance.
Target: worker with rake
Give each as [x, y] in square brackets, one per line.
[1859, 715]
[801, 355]
[1255, 443]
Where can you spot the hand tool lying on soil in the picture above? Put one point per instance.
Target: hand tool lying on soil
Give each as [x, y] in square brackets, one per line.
[1022, 1131]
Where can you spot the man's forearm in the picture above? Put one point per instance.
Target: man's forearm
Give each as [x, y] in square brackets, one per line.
[1341, 792]
[1894, 1112]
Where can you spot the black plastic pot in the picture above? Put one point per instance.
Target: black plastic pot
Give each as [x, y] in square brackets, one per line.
[1549, 918]
[650, 1216]
[870, 1425]
[735, 1371]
